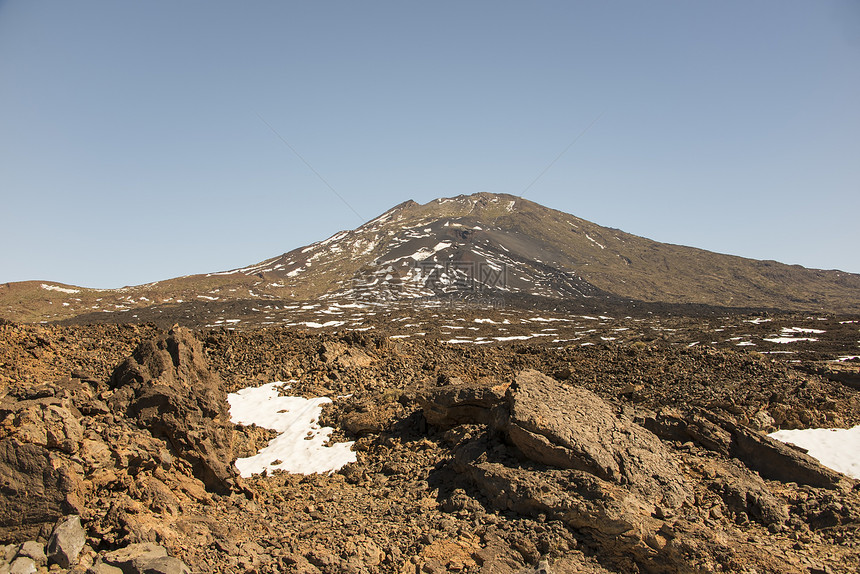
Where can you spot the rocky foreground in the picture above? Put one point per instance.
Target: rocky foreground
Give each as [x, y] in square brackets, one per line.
[116, 455]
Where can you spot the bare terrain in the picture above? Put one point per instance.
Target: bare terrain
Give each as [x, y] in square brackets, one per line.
[447, 479]
[524, 391]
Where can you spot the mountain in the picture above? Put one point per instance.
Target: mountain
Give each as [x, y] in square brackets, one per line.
[492, 246]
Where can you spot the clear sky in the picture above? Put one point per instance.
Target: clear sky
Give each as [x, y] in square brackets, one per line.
[135, 142]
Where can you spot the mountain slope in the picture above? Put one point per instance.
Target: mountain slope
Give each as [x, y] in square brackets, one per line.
[482, 245]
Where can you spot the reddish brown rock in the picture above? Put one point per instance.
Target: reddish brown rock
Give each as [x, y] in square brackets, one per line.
[167, 387]
[570, 427]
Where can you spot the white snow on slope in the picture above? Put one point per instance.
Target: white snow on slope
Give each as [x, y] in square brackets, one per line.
[587, 236]
[757, 320]
[838, 449]
[787, 331]
[784, 340]
[58, 288]
[300, 447]
[315, 325]
[423, 254]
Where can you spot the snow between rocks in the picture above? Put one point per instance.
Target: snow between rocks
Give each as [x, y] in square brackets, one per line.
[300, 448]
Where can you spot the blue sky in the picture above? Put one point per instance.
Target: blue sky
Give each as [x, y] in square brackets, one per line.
[134, 143]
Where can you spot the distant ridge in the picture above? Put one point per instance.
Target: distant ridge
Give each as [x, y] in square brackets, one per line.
[488, 245]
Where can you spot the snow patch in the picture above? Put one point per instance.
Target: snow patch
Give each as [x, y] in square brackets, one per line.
[315, 325]
[300, 448]
[424, 253]
[838, 449]
[58, 288]
[790, 330]
[587, 236]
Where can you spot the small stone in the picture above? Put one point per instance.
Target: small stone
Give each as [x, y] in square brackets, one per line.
[433, 567]
[34, 550]
[128, 557]
[101, 568]
[66, 542]
[162, 565]
[23, 565]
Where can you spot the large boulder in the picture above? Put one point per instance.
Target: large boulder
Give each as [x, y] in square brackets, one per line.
[580, 499]
[50, 423]
[769, 457]
[41, 470]
[37, 486]
[462, 403]
[570, 427]
[166, 386]
[567, 427]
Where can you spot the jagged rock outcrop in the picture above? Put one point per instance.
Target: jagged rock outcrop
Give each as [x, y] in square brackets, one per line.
[744, 491]
[769, 457]
[619, 521]
[39, 480]
[566, 426]
[167, 387]
[460, 403]
[555, 450]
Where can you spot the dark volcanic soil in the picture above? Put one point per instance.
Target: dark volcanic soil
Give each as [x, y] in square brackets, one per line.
[414, 501]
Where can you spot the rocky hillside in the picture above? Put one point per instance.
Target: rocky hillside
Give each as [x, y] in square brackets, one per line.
[116, 455]
[479, 246]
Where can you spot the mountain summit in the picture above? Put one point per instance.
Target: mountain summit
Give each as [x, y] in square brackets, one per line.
[488, 245]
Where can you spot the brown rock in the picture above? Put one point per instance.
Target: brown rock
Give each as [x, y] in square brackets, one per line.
[34, 550]
[50, 425]
[771, 458]
[778, 461]
[462, 403]
[343, 356]
[162, 565]
[167, 387]
[23, 565]
[101, 568]
[130, 557]
[745, 491]
[570, 427]
[38, 485]
[66, 542]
